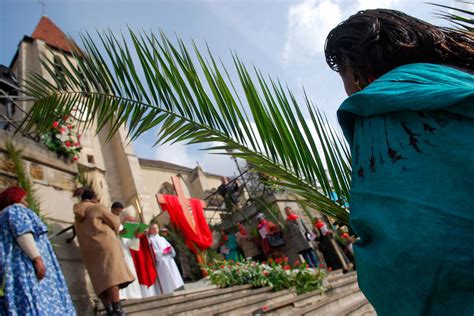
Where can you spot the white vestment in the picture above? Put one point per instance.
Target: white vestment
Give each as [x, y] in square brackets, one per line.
[132, 291]
[168, 273]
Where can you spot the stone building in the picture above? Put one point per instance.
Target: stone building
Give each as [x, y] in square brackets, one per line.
[115, 171]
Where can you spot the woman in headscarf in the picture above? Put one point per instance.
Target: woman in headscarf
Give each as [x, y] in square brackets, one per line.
[97, 231]
[409, 120]
[31, 278]
[298, 236]
[248, 243]
[266, 229]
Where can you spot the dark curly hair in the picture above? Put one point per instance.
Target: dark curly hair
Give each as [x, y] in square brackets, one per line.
[88, 194]
[372, 42]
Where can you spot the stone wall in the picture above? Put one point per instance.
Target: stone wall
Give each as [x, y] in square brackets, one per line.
[54, 182]
[77, 278]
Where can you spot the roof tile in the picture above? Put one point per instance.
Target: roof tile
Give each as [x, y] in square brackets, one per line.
[52, 35]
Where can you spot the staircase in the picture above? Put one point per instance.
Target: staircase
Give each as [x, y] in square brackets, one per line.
[342, 297]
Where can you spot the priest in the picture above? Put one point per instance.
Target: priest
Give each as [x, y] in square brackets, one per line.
[169, 277]
[132, 291]
[142, 258]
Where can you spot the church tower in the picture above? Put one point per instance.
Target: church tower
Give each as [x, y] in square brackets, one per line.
[111, 166]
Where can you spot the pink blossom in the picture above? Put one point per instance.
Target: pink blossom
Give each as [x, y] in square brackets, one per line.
[55, 124]
[75, 158]
[68, 144]
[77, 144]
[62, 130]
[287, 267]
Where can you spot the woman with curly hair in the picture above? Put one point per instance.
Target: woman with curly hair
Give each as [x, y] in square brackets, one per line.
[409, 120]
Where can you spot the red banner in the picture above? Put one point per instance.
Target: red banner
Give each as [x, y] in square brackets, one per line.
[201, 237]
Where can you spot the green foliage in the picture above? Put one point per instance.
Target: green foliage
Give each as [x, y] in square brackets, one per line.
[23, 179]
[191, 97]
[277, 274]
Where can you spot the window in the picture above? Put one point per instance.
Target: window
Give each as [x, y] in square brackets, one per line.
[90, 159]
[59, 72]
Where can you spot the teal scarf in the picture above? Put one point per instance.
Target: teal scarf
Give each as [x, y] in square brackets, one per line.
[411, 134]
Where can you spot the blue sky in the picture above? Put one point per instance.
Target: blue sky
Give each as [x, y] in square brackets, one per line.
[284, 39]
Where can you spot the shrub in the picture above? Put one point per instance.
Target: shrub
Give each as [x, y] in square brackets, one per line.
[277, 274]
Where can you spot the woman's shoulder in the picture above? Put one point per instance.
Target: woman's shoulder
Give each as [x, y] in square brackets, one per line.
[18, 210]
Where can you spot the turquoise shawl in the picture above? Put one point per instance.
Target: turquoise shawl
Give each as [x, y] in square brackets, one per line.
[411, 134]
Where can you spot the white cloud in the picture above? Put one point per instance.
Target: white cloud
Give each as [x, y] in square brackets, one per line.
[219, 164]
[376, 4]
[309, 22]
[176, 153]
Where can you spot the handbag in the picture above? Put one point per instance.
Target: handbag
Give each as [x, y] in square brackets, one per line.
[310, 236]
[276, 240]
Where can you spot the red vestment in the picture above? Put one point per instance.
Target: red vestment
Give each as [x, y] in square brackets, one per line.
[144, 263]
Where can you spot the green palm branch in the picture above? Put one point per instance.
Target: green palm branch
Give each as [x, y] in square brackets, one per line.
[195, 100]
[461, 19]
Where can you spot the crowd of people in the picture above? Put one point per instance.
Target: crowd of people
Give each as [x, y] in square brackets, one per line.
[265, 239]
[120, 266]
[407, 118]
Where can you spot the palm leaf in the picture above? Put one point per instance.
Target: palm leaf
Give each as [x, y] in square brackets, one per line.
[191, 97]
[462, 19]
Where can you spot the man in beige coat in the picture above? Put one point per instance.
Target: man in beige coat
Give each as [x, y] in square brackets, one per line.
[97, 230]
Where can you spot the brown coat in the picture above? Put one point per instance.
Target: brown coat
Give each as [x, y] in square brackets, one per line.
[96, 230]
[248, 244]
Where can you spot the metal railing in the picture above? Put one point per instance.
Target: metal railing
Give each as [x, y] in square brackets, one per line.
[9, 107]
[249, 182]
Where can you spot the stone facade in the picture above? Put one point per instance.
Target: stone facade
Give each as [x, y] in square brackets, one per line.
[111, 165]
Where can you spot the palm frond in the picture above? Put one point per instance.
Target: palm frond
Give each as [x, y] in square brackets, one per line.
[24, 180]
[192, 98]
[460, 18]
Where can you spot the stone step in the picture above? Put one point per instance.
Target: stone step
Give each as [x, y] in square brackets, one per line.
[339, 284]
[249, 306]
[334, 278]
[224, 304]
[127, 304]
[183, 304]
[331, 304]
[364, 310]
[342, 297]
[352, 308]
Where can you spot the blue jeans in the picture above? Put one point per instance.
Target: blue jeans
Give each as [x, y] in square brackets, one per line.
[310, 257]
